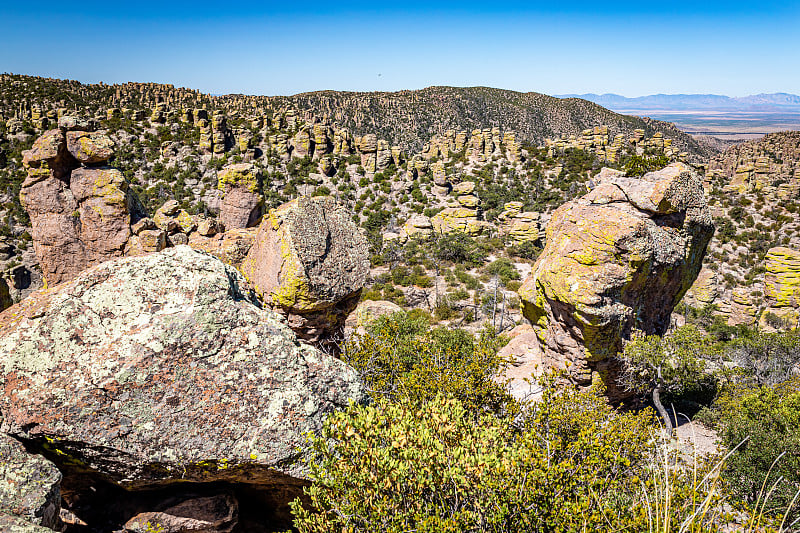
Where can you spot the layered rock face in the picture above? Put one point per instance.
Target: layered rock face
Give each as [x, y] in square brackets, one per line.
[80, 210]
[616, 262]
[145, 371]
[310, 262]
[782, 289]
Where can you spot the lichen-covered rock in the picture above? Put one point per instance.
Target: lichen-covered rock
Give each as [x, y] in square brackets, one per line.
[80, 216]
[617, 261]
[782, 279]
[704, 290]
[418, 225]
[161, 368]
[29, 485]
[90, 147]
[460, 219]
[781, 289]
[14, 524]
[231, 246]
[241, 204]
[105, 207]
[524, 227]
[309, 258]
[742, 308]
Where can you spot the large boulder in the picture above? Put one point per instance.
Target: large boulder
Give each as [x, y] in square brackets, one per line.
[80, 216]
[310, 262]
[152, 370]
[616, 262]
[29, 485]
[241, 202]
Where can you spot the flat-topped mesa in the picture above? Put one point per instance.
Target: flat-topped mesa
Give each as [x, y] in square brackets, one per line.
[309, 262]
[616, 262]
[80, 210]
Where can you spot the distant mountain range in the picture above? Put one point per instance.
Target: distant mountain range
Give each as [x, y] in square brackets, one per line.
[695, 102]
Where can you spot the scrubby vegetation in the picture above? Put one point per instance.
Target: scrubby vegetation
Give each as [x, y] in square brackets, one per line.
[443, 448]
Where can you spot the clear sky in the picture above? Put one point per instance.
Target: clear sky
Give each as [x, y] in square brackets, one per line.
[627, 47]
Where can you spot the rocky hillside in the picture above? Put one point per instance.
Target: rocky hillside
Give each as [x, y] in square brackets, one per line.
[406, 117]
[754, 188]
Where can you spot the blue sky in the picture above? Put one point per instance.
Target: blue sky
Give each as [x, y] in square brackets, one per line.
[630, 48]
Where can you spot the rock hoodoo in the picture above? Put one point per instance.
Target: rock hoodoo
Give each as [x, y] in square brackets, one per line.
[782, 289]
[309, 262]
[241, 204]
[616, 261]
[147, 371]
[80, 210]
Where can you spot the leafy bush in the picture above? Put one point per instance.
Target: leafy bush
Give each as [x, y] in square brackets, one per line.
[457, 247]
[768, 420]
[504, 269]
[432, 467]
[402, 358]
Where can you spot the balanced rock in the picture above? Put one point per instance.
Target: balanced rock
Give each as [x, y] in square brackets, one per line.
[80, 216]
[241, 204]
[147, 371]
[309, 261]
[616, 262]
[90, 147]
[29, 485]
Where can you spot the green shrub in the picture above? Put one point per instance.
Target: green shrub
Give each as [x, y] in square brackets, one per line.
[439, 467]
[401, 358]
[767, 421]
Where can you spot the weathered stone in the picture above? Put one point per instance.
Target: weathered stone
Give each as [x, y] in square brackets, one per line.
[90, 148]
[143, 224]
[782, 279]
[241, 204]
[208, 227]
[742, 308]
[616, 262]
[29, 485]
[210, 514]
[457, 219]
[465, 187]
[162, 368]
[104, 204]
[231, 247]
[468, 200]
[15, 524]
[367, 312]
[704, 290]
[309, 258]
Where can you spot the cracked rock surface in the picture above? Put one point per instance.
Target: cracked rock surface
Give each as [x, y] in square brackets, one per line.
[617, 261]
[161, 368]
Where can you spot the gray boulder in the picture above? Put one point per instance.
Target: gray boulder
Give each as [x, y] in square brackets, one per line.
[161, 368]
